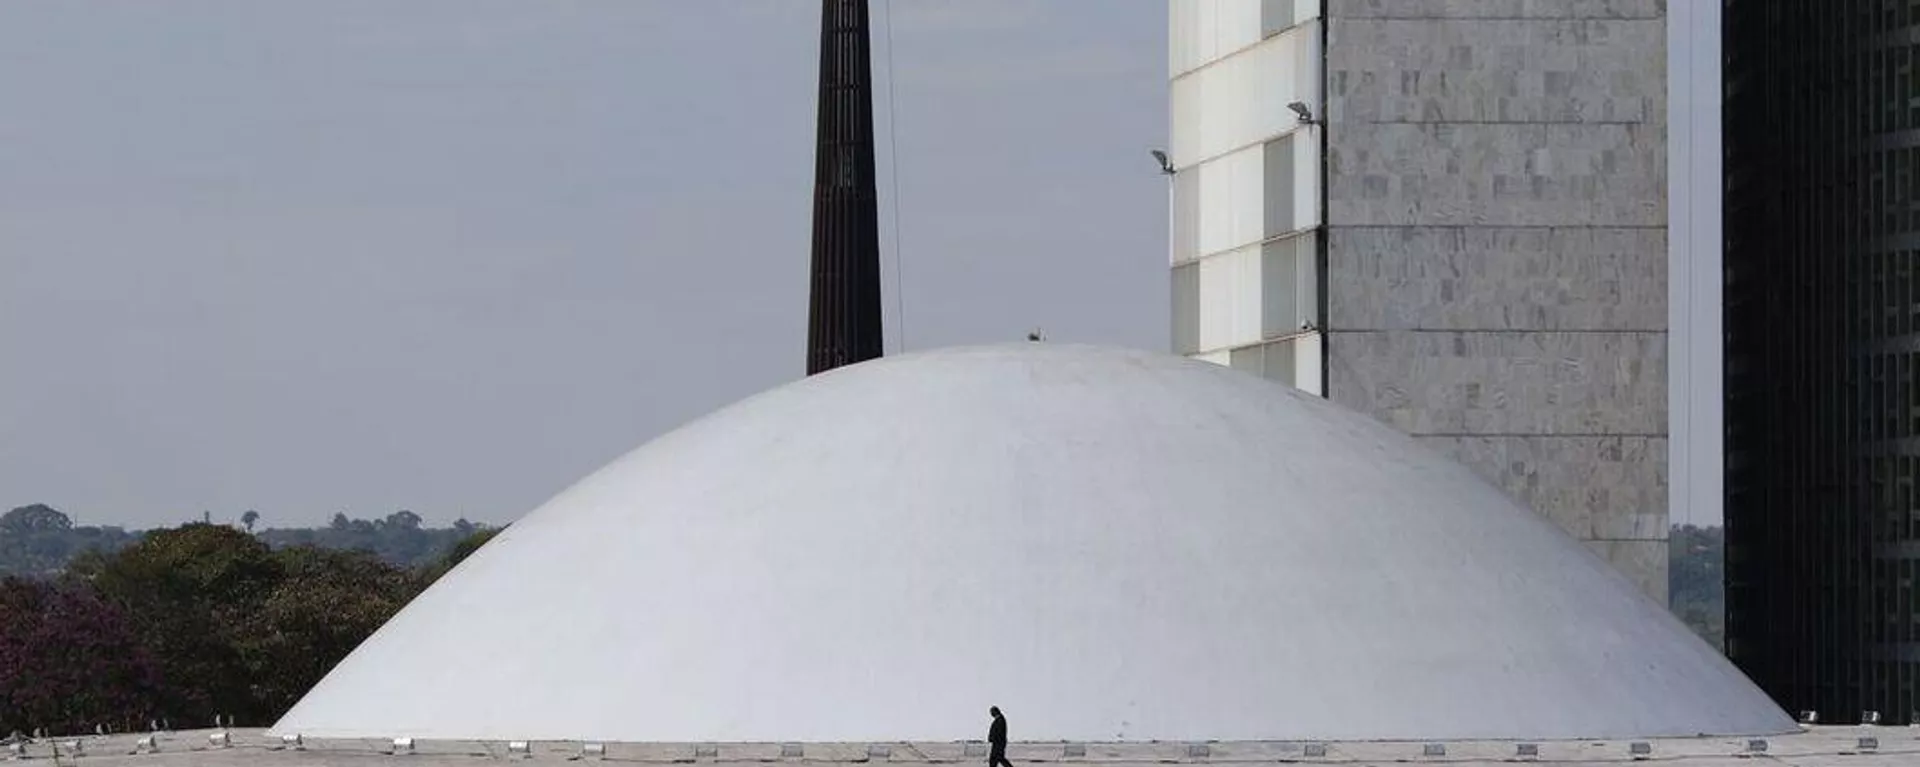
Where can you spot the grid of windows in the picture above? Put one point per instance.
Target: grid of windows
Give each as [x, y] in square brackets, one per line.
[1822, 153]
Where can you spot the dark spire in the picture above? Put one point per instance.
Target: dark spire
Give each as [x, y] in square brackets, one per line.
[844, 319]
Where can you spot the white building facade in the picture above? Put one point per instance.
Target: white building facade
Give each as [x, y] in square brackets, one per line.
[1450, 214]
[1247, 209]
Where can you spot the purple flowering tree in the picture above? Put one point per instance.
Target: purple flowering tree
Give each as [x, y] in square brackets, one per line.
[69, 661]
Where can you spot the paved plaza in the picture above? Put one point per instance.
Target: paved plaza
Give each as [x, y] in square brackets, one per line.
[1814, 747]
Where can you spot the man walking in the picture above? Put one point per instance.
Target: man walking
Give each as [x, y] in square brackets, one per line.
[997, 739]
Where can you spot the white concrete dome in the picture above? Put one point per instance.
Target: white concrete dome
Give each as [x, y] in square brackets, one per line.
[1109, 545]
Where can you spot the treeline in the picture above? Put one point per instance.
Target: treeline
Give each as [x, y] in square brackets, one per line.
[40, 541]
[184, 624]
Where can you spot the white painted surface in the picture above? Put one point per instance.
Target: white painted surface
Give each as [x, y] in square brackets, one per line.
[1230, 291]
[1110, 545]
[1232, 194]
[1242, 99]
[1695, 389]
[1201, 31]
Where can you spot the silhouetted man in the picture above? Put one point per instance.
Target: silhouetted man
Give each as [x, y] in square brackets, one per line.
[997, 739]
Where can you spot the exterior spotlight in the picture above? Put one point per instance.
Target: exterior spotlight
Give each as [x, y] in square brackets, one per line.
[147, 744]
[1869, 717]
[1166, 163]
[519, 748]
[1809, 717]
[220, 740]
[1640, 750]
[1301, 111]
[293, 742]
[403, 745]
[593, 751]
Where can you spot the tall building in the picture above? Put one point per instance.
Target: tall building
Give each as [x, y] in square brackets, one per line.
[1822, 267]
[843, 318]
[1450, 214]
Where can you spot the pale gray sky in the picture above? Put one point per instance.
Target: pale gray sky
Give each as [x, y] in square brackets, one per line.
[451, 255]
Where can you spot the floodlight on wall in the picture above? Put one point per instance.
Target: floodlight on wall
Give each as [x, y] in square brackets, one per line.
[403, 745]
[1166, 163]
[1301, 111]
[100, 729]
[147, 744]
[219, 740]
[593, 750]
[292, 742]
[1640, 749]
[520, 748]
[1869, 717]
[1809, 717]
[39, 733]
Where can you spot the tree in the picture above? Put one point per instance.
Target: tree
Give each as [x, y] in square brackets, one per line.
[249, 518]
[403, 520]
[457, 554]
[36, 518]
[70, 660]
[187, 592]
[326, 603]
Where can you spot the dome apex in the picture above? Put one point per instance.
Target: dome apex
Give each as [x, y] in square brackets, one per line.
[1108, 544]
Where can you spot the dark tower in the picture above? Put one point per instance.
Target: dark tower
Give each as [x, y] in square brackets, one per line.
[844, 319]
[1822, 280]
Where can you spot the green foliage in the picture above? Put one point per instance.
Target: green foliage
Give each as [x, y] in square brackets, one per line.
[189, 592]
[454, 556]
[399, 538]
[243, 629]
[324, 604]
[37, 540]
